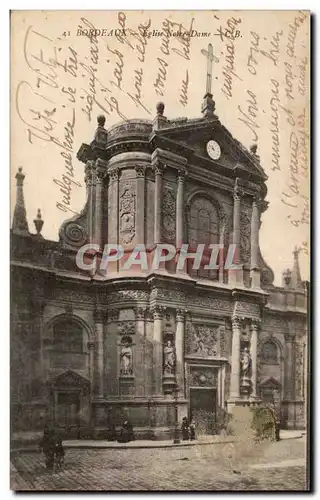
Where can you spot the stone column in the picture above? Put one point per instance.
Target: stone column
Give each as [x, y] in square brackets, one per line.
[222, 249]
[158, 171]
[179, 345]
[114, 215]
[290, 379]
[180, 209]
[289, 364]
[235, 359]
[140, 374]
[236, 275]
[255, 226]
[223, 382]
[89, 180]
[91, 348]
[99, 207]
[254, 354]
[99, 364]
[140, 204]
[157, 349]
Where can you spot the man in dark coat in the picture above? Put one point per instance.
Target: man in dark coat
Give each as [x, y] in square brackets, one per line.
[48, 444]
[185, 429]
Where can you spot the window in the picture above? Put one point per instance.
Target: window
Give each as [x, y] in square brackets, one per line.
[203, 227]
[269, 352]
[67, 336]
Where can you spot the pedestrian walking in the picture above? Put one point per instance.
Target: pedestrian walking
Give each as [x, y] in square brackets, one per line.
[185, 429]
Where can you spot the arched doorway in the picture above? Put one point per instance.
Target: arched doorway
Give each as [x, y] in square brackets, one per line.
[69, 376]
[69, 392]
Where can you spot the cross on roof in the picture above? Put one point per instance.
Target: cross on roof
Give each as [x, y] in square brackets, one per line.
[210, 58]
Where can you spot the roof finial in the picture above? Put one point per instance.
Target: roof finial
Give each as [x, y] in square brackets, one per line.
[296, 275]
[208, 105]
[159, 121]
[19, 221]
[160, 108]
[253, 151]
[38, 222]
[101, 135]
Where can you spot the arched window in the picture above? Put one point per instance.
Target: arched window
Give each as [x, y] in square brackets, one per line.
[203, 227]
[68, 336]
[269, 352]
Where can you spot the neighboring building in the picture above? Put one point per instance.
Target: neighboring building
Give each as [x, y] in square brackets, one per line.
[89, 349]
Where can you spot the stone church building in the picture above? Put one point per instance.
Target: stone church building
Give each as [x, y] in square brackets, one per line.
[92, 348]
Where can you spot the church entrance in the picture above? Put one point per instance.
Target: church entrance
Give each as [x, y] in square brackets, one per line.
[203, 409]
[71, 405]
[67, 414]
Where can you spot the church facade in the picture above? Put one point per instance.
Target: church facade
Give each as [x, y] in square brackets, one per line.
[90, 348]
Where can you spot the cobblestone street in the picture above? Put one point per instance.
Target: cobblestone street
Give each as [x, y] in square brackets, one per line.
[270, 466]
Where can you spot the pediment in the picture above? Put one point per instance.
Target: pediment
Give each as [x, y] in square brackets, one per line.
[194, 136]
[69, 379]
[270, 383]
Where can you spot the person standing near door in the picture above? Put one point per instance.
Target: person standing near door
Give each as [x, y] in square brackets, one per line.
[47, 445]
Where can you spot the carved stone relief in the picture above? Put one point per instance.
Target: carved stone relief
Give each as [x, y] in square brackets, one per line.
[223, 342]
[246, 309]
[168, 214]
[167, 294]
[121, 295]
[204, 301]
[299, 370]
[202, 340]
[127, 214]
[203, 376]
[127, 327]
[245, 231]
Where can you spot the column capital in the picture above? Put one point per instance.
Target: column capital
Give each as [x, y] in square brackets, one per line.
[256, 199]
[89, 172]
[158, 312]
[255, 323]
[236, 322]
[100, 175]
[140, 171]
[181, 175]
[158, 168]
[289, 338]
[113, 315]
[140, 313]
[180, 315]
[237, 193]
[114, 174]
[91, 345]
[99, 315]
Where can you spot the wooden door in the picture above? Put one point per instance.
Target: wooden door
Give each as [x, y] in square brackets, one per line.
[203, 409]
[68, 406]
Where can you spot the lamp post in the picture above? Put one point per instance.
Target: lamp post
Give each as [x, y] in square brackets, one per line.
[176, 439]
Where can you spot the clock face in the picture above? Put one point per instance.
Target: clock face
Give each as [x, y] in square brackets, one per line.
[213, 150]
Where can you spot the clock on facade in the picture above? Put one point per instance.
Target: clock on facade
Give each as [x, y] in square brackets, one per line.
[213, 150]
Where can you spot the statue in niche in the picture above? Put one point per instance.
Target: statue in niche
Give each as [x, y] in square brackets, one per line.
[245, 362]
[126, 358]
[169, 358]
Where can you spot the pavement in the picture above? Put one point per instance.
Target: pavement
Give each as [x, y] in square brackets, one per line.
[238, 466]
[203, 440]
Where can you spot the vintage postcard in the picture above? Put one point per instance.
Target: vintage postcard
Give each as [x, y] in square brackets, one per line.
[160, 231]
